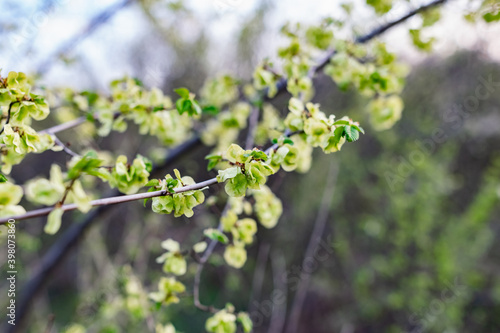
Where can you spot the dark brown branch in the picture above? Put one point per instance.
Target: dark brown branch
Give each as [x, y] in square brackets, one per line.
[8, 115]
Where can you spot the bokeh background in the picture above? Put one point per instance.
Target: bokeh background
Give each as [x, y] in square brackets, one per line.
[411, 241]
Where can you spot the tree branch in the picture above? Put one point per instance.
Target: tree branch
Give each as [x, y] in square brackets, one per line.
[111, 200]
[65, 148]
[380, 30]
[64, 126]
[75, 233]
[8, 114]
[71, 237]
[314, 240]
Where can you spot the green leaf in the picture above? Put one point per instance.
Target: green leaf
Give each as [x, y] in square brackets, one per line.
[211, 110]
[86, 164]
[158, 108]
[177, 174]
[351, 134]
[171, 184]
[259, 155]
[200, 247]
[341, 122]
[358, 128]
[3, 179]
[237, 186]
[196, 108]
[245, 321]
[227, 174]
[490, 17]
[213, 160]
[183, 92]
[153, 182]
[179, 105]
[216, 235]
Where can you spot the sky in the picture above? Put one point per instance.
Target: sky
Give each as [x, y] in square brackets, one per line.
[45, 25]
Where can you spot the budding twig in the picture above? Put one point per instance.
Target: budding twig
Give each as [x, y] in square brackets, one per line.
[111, 200]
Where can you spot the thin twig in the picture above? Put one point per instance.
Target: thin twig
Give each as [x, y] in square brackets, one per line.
[64, 126]
[65, 148]
[8, 114]
[281, 85]
[66, 192]
[73, 235]
[111, 200]
[125, 198]
[380, 30]
[314, 240]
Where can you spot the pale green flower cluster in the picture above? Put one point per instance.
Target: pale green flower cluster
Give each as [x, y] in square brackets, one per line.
[173, 263]
[270, 127]
[224, 321]
[135, 299]
[179, 203]
[225, 128]
[20, 107]
[154, 113]
[21, 140]
[268, 207]
[173, 260]
[51, 191]
[220, 91]
[168, 291]
[385, 112]
[46, 191]
[320, 131]
[129, 178]
[249, 170]
[10, 196]
[381, 77]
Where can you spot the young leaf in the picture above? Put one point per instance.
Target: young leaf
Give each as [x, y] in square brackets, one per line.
[351, 134]
[183, 92]
[227, 174]
[153, 182]
[216, 235]
[213, 160]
